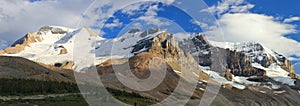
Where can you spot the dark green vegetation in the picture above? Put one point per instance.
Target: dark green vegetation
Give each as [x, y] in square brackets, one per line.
[131, 98]
[23, 87]
[70, 100]
[27, 87]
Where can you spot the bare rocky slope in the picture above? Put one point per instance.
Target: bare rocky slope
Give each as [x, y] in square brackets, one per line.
[20, 68]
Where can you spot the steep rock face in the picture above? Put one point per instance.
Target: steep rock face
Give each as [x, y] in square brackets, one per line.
[199, 47]
[165, 46]
[219, 59]
[240, 65]
[263, 56]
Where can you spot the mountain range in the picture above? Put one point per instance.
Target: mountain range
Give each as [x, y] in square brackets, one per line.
[247, 73]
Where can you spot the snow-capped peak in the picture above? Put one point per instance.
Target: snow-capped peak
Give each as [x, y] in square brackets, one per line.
[55, 44]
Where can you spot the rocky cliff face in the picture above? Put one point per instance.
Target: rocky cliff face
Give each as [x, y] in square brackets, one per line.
[257, 53]
[166, 46]
[219, 59]
[240, 65]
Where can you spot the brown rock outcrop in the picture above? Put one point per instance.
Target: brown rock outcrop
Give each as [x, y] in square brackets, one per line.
[68, 65]
[65, 65]
[240, 65]
[15, 49]
[20, 44]
[2, 52]
[63, 50]
[165, 46]
[228, 75]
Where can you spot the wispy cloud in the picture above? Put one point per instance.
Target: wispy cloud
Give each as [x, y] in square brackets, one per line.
[115, 23]
[230, 6]
[291, 19]
[152, 20]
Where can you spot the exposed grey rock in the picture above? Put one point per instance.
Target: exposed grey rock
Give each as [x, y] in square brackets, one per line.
[150, 31]
[134, 30]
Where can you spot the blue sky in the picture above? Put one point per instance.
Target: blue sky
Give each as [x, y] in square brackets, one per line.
[169, 12]
[278, 8]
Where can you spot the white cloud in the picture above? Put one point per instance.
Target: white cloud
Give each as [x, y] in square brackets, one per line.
[241, 8]
[133, 9]
[21, 16]
[152, 10]
[116, 23]
[230, 6]
[248, 27]
[294, 58]
[169, 1]
[149, 17]
[291, 19]
[201, 24]
[152, 20]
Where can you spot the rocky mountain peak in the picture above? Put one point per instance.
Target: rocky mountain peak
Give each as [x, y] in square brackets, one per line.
[52, 29]
[149, 32]
[20, 44]
[167, 47]
[260, 54]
